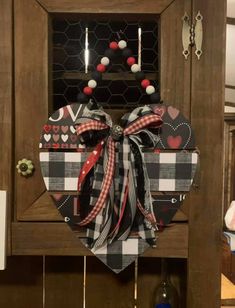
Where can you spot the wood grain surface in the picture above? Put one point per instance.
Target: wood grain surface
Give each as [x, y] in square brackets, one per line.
[204, 262]
[175, 71]
[21, 284]
[106, 6]
[108, 288]
[31, 96]
[63, 282]
[57, 239]
[6, 108]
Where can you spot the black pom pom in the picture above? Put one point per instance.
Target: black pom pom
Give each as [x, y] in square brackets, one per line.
[110, 53]
[126, 52]
[155, 98]
[82, 98]
[96, 75]
[139, 75]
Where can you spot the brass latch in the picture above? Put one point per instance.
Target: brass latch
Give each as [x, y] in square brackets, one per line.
[192, 35]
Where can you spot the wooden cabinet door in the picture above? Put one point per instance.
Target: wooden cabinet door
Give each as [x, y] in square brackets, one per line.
[33, 86]
[195, 87]
[35, 213]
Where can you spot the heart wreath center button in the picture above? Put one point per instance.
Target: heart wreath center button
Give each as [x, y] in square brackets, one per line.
[116, 132]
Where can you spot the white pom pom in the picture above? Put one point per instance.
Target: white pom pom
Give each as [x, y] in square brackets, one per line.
[92, 83]
[122, 44]
[105, 61]
[150, 90]
[135, 68]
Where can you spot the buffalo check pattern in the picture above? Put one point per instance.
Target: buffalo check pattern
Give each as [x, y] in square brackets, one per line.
[108, 176]
[120, 254]
[166, 171]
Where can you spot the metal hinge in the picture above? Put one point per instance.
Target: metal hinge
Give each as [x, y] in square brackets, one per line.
[192, 35]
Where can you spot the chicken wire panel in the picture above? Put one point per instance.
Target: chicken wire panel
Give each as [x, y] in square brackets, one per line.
[69, 36]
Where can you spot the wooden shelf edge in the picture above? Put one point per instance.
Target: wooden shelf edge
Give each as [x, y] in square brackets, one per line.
[228, 302]
[29, 238]
[106, 76]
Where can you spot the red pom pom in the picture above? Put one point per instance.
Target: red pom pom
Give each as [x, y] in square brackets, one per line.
[145, 83]
[130, 61]
[87, 91]
[101, 68]
[113, 45]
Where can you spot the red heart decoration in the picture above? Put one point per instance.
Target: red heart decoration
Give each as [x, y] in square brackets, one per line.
[56, 137]
[64, 146]
[56, 128]
[174, 142]
[56, 145]
[159, 110]
[66, 112]
[73, 138]
[47, 145]
[47, 128]
[64, 128]
[173, 112]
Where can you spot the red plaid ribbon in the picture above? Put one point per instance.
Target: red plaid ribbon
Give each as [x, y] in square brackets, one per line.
[91, 125]
[141, 123]
[105, 185]
[152, 120]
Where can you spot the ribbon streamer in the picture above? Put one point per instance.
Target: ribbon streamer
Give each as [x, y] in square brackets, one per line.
[118, 206]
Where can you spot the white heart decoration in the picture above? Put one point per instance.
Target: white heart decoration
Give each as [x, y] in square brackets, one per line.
[64, 137]
[47, 137]
[73, 130]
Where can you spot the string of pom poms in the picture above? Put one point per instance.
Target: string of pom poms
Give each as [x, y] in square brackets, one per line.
[131, 62]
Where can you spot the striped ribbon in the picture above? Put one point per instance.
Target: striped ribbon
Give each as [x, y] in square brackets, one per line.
[120, 211]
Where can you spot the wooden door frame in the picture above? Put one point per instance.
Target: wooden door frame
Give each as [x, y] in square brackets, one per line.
[229, 127]
[6, 107]
[207, 117]
[206, 95]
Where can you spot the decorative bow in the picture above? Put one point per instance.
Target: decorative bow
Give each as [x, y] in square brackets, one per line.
[115, 198]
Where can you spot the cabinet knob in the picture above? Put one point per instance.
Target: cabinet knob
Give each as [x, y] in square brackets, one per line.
[25, 167]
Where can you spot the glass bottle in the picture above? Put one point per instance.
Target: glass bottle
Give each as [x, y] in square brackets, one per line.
[165, 295]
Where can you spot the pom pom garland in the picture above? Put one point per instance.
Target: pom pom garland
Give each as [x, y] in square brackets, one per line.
[92, 83]
[145, 83]
[105, 61]
[126, 52]
[139, 76]
[97, 76]
[101, 68]
[114, 45]
[82, 98]
[110, 53]
[155, 98]
[135, 68]
[122, 44]
[87, 91]
[150, 90]
[131, 61]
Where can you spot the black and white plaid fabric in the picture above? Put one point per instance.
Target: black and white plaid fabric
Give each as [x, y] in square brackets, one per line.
[119, 254]
[166, 171]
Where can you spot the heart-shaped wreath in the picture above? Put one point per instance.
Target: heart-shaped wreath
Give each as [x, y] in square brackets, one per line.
[119, 182]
